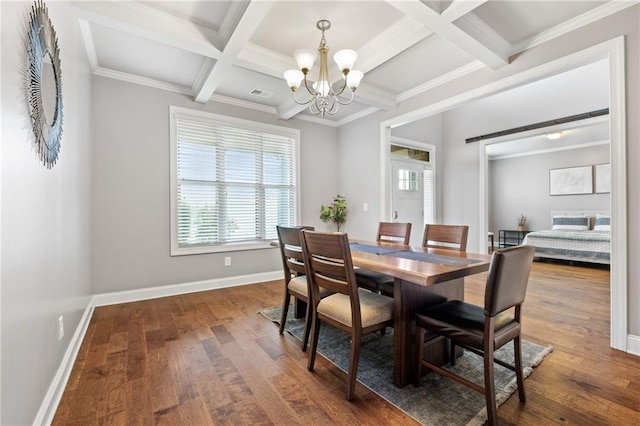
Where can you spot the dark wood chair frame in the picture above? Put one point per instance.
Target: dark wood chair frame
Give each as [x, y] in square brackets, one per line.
[435, 235]
[290, 242]
[514, 286]
[329, 265]
[394, 232]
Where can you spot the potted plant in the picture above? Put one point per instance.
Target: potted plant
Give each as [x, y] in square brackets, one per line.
[522, 222]
[335, 212]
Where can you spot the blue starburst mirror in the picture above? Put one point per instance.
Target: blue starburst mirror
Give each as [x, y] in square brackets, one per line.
[44, 84]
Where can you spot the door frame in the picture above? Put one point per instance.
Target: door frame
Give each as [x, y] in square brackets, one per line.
[613, 50]
[409, 143]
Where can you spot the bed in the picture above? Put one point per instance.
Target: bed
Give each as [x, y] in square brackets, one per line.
[583, 237]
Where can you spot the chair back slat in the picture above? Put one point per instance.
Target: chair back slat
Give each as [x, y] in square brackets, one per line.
[394, 232]
[329, 264]
[450, 237]
[291, 249]
[508, 278]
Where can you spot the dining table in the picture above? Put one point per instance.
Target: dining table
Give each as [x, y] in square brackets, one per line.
[423, 277]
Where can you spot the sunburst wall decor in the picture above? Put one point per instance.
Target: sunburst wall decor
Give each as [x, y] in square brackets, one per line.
[42, 50]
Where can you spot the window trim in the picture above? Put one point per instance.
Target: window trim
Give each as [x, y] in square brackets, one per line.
[175, 112]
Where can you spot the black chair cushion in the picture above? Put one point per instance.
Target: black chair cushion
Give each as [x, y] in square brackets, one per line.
[371, 280]
[464, 323]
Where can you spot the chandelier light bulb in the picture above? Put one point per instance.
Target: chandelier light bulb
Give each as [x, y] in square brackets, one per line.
[294, 78]
[305, 59]
[353, 79]
[322, 87]
[345, 59]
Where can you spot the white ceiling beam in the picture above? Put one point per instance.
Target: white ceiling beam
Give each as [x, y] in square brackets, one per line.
[146, 22]
[459, 8]
[402, 35]
[482, 48]
[246, 25]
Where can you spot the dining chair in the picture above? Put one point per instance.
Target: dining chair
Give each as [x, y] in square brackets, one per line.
[295, 279]
[329, 266]
[482, 330]
[388, 232]
[450, 237]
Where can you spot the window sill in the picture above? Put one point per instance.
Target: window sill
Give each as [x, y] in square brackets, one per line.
[225, 248]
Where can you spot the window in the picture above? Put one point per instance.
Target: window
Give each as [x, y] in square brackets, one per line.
[232, 182]
[407, 180]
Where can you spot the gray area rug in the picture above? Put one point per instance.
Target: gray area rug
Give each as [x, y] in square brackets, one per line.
[439, 401]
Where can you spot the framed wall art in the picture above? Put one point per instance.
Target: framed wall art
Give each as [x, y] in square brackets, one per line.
[571, 181]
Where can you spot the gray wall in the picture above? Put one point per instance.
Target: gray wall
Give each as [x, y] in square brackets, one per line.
[131, 220]
[46, 232]
[459, 161]
[521, 186]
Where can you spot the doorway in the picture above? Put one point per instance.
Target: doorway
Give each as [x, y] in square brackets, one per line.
[614, 51]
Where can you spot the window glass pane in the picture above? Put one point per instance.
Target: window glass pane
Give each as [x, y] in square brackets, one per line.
[411, 153]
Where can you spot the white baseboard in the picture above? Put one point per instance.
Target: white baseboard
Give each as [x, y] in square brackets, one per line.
[50, 403]
[52, 398]
[633, 344]
[184, 288]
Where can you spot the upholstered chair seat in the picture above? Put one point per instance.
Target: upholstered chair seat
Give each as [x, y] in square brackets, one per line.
[373, 308]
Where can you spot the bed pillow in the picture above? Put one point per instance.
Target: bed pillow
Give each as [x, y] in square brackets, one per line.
[574, 223]
[602, 223]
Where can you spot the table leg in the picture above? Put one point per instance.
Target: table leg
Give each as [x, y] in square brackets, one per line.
[408, 299]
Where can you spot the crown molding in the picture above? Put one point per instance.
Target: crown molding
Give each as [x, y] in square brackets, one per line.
[143, 81]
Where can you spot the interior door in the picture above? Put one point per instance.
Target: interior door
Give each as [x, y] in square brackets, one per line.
[407, 196]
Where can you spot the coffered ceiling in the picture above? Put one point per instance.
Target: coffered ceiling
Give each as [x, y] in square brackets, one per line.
[236, 51]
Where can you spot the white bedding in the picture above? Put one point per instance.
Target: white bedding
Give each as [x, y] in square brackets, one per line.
[584, 246]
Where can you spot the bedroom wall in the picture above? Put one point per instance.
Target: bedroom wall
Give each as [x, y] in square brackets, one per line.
[46, 232]
[459, 163]
[131, 221]
[521, 186]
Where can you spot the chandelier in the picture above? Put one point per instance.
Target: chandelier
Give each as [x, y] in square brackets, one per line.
[323, 98]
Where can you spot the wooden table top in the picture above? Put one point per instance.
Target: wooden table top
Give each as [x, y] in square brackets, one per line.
[417, 271]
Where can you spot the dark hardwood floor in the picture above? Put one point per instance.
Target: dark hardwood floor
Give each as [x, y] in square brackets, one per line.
[210, 358]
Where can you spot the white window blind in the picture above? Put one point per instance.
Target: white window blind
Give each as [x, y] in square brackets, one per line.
[429, 195]
[233, 184]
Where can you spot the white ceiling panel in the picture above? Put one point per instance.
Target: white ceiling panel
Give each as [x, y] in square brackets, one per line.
[123, 52]
[291, 25]
[424, 61]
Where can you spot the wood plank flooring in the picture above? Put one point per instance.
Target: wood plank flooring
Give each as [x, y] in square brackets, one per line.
[210, 358]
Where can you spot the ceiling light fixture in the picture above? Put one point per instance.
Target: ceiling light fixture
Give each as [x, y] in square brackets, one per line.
[323, 98]
[554, 135]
